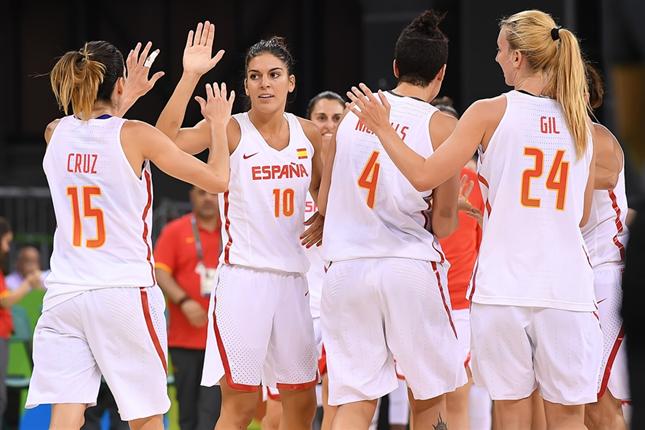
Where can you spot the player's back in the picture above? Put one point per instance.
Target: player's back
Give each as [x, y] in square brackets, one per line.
[103, 210]
[606, 232]
[533, 185]
[373, 211]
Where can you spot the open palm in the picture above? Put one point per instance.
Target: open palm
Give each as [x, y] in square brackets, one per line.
[199, 48]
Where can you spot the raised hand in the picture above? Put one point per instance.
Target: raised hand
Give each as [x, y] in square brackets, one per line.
[314, 232]
[465, 188]
[137, 83]
[199, 48]
[373, 112]
[217, 108]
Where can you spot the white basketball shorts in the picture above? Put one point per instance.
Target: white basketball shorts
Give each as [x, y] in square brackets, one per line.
[375, 309]
[517, 349]
[117, 332]
[260, 331]
[609, 295]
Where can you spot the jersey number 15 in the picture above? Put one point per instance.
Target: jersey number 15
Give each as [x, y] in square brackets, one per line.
[88, 212]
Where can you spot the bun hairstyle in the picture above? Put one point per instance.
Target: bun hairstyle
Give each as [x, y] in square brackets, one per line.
[421, 49]
[276, 46]
[595, 85]
[81, 78]
[554, 51]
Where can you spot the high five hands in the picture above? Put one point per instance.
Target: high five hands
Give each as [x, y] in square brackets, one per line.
[199, 48]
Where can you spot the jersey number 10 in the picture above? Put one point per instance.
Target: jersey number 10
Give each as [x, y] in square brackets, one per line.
[556, 181]
[88, 212]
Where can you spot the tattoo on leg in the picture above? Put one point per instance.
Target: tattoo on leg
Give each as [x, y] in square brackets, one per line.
[441, 424]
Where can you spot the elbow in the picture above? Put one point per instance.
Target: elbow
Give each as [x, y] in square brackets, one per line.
[218, 184]
[421, 184]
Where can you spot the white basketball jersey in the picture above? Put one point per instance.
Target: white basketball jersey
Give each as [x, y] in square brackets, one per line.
[606, 233]
[264, 208]
[533, 184]
[316, 265]
[103, 210]
[373, 210]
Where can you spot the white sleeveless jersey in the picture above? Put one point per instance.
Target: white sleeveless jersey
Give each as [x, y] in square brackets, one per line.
[532, 251]
[103, 211]
[263, 210]
[606, 233]
[373, 210]
[316, 265]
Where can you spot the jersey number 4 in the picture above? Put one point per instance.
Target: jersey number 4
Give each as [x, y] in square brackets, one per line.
[556, 181]
[88, 212]
[369, 178]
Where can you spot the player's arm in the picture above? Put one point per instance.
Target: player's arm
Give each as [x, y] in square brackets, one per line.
[153, 145]
[609, 158]
[313, 134]
[49, 130]
[589, 190]
[446, 196]
[425, 174]
[196, 61]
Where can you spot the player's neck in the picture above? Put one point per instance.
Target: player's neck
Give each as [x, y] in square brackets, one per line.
[405, 89]
[103, 109]
[534, 84]
[270, 123]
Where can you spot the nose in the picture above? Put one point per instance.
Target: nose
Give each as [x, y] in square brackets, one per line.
[264, 82]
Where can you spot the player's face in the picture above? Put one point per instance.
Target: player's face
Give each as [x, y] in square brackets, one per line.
[5, 243]
[326, 114]
[204, 203]
[268, 83]
[28, 261]
[504, 58]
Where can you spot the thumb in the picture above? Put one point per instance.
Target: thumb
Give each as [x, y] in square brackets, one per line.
[156, 77]
[201, 101]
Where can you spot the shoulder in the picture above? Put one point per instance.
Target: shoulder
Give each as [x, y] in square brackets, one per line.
[311, 130]
[488, 108]
[602, 133]
[441, 126]
[133, 126]
[49, 130]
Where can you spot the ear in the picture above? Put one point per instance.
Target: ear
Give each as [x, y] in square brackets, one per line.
[120, 85]
[395, 69]
[246, 88]
[292, 83]
[441, 73]
[516, 58]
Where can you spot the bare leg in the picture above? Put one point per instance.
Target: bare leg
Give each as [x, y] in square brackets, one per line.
[537, 412]
[67, 416]
[238, 408]
[561, 417]
[430, 413]
[457, 405]
[298, 409]
[271, 419]
[329, 412]
[354, 416]
[512, 414]
[149, 423]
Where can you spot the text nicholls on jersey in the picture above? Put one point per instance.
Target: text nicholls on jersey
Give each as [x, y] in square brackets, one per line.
[400, 129]
[277, 171]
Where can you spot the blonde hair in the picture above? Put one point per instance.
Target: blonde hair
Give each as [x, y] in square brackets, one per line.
[555, 52]
[75, 80]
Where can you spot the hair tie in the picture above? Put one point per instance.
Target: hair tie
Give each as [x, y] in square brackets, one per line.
[555, 33]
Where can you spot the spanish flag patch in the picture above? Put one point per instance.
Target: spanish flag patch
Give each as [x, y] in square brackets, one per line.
[302, 153]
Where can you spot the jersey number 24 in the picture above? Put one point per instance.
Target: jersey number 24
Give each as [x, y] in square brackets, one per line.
[556, 181]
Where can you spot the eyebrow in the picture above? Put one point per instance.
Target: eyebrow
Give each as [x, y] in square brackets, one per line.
[271, 70]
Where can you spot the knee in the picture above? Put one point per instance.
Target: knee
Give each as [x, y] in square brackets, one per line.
[599, 416]
[302, 404]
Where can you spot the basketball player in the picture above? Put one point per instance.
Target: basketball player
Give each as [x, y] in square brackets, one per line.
[606, 237]
[103, 313]
[533, 323]
[386, 277]
[261, 330]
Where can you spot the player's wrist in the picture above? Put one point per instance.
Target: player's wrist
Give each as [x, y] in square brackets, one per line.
[183, 300]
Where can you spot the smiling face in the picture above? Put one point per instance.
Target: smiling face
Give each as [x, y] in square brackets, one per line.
[326, 114]
[268, 83]
[506, 58]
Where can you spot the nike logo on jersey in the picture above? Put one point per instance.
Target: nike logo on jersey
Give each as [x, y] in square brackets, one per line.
[246, 156]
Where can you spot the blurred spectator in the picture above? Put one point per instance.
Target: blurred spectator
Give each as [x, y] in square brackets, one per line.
[28, 261]
[186, 257]
[7, 299]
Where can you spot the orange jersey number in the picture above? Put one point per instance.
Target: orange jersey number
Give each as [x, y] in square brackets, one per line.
[89, 212]
[284, 202]
[369, 178]
[556, 181]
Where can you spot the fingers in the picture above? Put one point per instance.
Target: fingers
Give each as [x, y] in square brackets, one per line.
[151, 58]
[198, 34]
[156, 77]
[144, 54]
[211, 35]
[368, 93]
[204, 38]
[189, 40]
[135, 53]
[201, 101]
[384, 100]
[216, 59]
